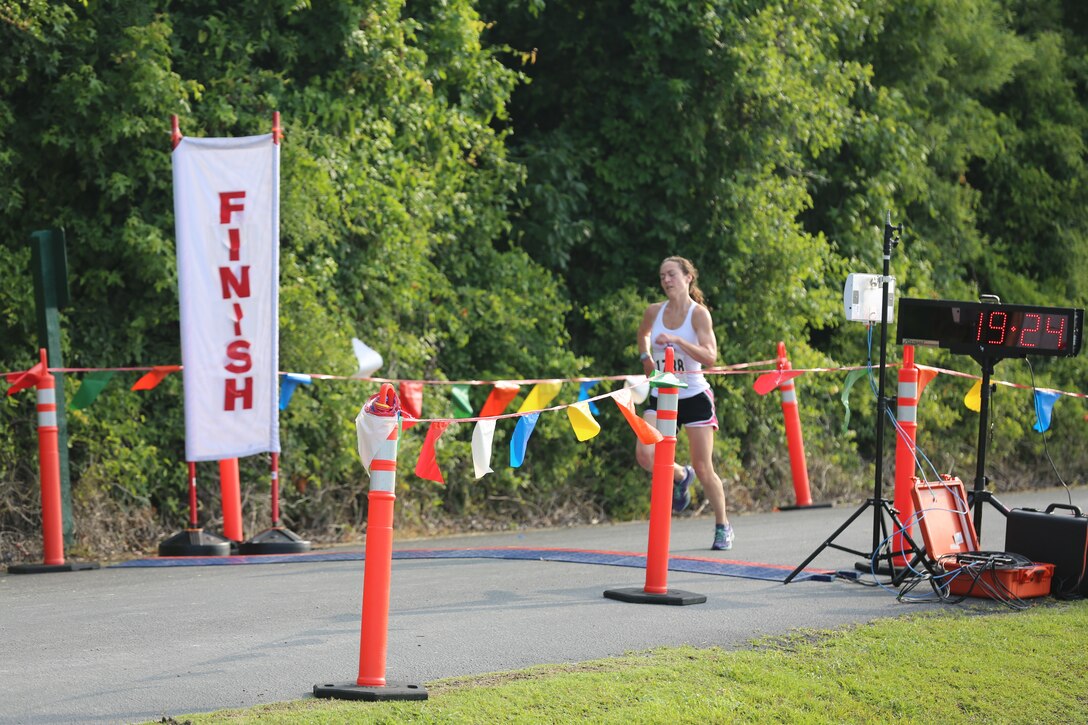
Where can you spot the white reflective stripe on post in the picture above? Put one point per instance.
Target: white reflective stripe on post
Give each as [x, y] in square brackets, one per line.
[789, 395]
[383, 480]
[908, 390]
[387, 450]
[47, 409]
[667, 402]
[907, 414]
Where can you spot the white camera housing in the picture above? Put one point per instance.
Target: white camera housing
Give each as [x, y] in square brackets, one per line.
[861, 298]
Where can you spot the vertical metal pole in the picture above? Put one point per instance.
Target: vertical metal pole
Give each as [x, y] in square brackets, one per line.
[881, 401]
[983, 424]
[49, 266]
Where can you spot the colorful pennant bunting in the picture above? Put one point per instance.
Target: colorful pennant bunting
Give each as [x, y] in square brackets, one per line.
[973, 399]
[645, 432]
[27, 379]
[462, 408]
[1044, 406]
[851, 378]
[90, 388]
[427, 465]
[582, 421]
[411, 397]
[288, 383]
[539, 397]
[482, 436]
[767, 382]
[925, 375]
[583, 394]
[498, 399]
[151, 380]
[368, 358]
[520, 440]
[639, 386]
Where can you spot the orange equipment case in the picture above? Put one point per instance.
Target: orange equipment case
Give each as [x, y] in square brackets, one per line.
[948, 531]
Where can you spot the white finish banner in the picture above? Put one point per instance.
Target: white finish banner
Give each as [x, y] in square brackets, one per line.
[226, 211]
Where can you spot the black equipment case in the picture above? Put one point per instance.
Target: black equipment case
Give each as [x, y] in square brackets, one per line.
[1061, 540]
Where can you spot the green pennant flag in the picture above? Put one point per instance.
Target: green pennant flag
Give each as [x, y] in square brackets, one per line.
[845, 397]
[89, 389]
[462, 408]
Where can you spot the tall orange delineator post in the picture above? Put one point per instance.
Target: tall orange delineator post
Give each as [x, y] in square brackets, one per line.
[371, 684]
[49, 472]
[230, 496]
[656, 590]
[794, 440]
[906, 415]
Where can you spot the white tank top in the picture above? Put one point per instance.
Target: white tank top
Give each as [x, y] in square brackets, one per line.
[681, 361]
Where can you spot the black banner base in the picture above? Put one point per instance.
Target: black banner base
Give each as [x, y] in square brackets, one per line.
[195, 542]
[276, 540]
[391, 691]
[49, 568]
[802, 508]
[675, 597]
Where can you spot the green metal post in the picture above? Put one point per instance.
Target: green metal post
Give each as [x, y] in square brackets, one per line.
[49, 265]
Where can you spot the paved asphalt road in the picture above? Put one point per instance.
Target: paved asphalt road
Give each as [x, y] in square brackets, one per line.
[122, 645]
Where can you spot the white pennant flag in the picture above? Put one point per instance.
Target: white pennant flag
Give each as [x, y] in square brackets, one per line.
[482, 436]
[369, 359]
[639, 387]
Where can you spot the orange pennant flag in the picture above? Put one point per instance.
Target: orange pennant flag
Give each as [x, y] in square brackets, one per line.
[411, 398]
[500, 397]
[924, 376]
[153, 378]
[427, 465]
[767, 382]
[27, 379]
[646, 433]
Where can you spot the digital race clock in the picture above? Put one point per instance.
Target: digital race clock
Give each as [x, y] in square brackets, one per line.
[990, 329]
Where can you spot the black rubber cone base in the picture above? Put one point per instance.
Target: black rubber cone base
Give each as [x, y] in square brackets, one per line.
[195, 542]
[391, 691]
[49, 568]
[276, 540]
[675, 597]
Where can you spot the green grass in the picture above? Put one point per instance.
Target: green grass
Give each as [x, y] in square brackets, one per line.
[956, 665]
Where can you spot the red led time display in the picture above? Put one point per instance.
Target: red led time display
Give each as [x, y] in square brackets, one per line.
[1026, 330]
[991, 329]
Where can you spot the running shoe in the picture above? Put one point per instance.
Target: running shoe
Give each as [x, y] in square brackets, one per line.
[681, 490]
[723, 538]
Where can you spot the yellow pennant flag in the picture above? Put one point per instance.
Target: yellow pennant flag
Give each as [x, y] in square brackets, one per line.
[539, 397]
[973, 399]
[582, 421]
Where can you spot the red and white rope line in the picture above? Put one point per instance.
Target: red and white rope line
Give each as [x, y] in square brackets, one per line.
[737, 369]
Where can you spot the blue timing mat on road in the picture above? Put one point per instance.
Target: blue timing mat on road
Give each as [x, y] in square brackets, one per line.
[691, 564]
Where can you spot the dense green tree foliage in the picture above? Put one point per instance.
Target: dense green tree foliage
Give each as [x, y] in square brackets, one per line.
[484, 190]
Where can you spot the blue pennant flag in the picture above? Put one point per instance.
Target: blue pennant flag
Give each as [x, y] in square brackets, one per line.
[1044, 406]
[520, 439]
[288, 383]
[583, 394]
